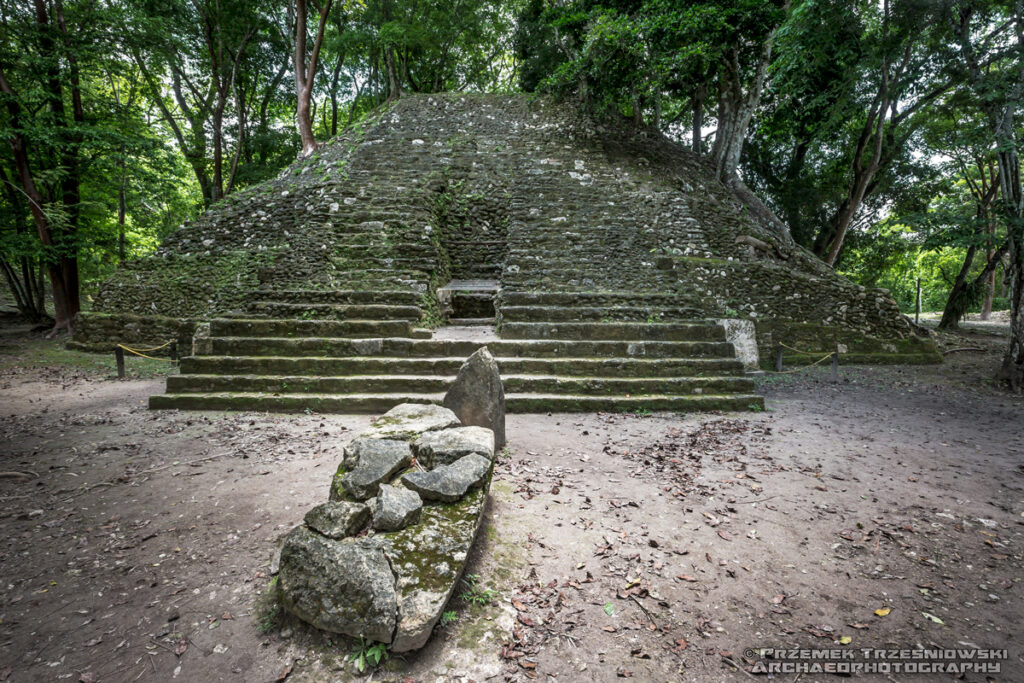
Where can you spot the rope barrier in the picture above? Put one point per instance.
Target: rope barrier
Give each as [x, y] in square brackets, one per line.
[138, 352]
[155, 348]
[802, 367]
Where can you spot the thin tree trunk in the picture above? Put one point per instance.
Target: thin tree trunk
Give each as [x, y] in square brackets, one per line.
[698, 117]
[305, 75]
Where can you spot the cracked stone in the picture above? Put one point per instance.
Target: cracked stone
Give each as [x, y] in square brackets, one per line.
[344, 586]
[338, 519]
[408, 420]
[395, 508]
[449, 483]
[373, 448]
[376, 465]
[448, 445]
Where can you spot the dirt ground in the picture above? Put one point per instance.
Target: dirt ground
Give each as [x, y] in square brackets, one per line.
[137, 545]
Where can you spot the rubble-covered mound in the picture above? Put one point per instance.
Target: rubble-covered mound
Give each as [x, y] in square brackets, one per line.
[576, 221]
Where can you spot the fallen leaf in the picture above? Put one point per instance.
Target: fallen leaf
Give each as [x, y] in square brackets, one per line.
[932, 617]
[777, 600]
[687, 577]
[681, 643]
[88, 677]
[858, 626]
[845, 640]
[180, 648]
[724, 536]
[609, 609]
[883, 612]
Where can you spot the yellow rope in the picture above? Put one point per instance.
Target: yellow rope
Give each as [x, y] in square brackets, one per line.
[139, 353]
[803, 367]
[155, 348]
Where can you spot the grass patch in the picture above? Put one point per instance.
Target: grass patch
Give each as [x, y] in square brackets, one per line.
[269, 614]
[50, 353]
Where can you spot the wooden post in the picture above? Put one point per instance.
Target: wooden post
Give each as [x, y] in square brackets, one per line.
[778, 358]
[119, 358]
[174, 350]
[835, 364]
[917, 304]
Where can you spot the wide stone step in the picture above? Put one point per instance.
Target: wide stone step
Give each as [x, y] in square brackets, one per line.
[593, 313]
[332, 346]
[319, 311]
[384, 263]
[347, 297]
[539, 384]
[445, 366]
[514, 403]
[312, 330]
[613, 331]
[591, 299]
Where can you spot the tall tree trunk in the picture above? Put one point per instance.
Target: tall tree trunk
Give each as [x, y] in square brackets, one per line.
[990, 292]
[305, 74]
[394, 83]
[19, 148]
[122, 213]
[698, 117]
[1001, 115]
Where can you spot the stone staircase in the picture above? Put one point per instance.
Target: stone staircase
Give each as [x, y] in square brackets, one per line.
[378, 359]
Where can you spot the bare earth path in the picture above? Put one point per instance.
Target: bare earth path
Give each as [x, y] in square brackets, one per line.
[137, 546]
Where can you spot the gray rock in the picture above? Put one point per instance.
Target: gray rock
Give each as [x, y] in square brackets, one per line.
[340, 586]
[448, 445]
[449, 483]
[477, 396]
[338, 519]
[408, 420]
[375, 467]
[372, 447]
[396, 508]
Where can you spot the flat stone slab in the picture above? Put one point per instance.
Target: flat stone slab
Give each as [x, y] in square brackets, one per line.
[395, 508]
[376, 466]
[408, 420]
[445, 446]
[449, 483]
[338, 519]
[342, 586]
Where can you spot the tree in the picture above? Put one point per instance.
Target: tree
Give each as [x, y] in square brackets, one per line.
[990, 37]
[54, 136]
[305, 73]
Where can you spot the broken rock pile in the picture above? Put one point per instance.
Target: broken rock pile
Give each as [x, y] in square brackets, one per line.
[381, 558]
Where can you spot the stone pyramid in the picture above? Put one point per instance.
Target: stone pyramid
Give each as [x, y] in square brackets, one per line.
[605, 270]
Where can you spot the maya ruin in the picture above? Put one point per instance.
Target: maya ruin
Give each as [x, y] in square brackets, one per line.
[479, 341]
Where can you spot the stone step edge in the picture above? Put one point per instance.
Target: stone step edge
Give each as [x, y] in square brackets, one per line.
[516, 376]
[514, 403]
[699, 360]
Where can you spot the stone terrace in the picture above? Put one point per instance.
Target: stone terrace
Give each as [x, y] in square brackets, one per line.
[603, 258]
